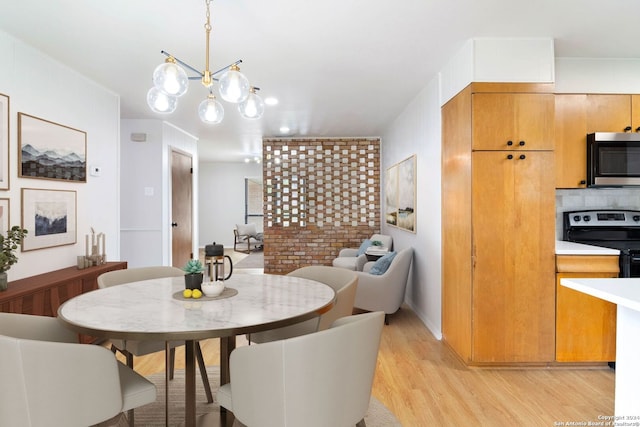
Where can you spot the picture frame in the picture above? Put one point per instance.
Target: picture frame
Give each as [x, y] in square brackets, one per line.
[4, 141]
[5, 219]
[400, 195]
[48, 150]
[50, 218]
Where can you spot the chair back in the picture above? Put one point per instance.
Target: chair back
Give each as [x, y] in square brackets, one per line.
[35, 328]
[118, 277]
[344, 282]
[57, 384]
[326, 380]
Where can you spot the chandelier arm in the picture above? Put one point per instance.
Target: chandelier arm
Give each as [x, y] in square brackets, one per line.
[239, 61]
[184, 64]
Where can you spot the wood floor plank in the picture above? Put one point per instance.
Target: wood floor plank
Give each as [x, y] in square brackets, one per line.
[424, 384]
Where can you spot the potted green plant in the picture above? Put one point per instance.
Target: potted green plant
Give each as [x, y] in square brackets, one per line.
[8, 245]
[193, 274]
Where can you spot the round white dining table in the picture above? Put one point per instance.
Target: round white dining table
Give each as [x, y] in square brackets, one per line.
[155, 310]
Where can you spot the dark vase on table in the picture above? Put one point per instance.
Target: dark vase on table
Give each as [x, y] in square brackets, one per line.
[193, 281]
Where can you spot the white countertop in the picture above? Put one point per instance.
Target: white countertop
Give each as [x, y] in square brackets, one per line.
[621, 291]
[571, 248]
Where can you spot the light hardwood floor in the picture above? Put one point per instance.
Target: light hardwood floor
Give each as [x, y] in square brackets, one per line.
[424, 384]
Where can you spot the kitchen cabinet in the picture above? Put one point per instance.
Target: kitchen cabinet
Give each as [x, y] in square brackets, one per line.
[613, 113]
[571, 140]
[498, 234]
[576, 115]
[512, 121]
[585, 325]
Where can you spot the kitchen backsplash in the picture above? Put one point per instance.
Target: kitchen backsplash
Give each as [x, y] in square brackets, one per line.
[594, 198]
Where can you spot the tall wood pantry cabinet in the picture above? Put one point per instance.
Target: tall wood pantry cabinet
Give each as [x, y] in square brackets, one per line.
[499, 224]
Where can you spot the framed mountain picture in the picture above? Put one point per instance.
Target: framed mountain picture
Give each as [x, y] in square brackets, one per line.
[50, 217]
[48, 150]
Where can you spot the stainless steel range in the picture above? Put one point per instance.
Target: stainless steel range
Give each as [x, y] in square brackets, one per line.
[616, 229]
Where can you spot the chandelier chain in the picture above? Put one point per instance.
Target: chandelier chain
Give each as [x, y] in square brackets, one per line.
[206, 77]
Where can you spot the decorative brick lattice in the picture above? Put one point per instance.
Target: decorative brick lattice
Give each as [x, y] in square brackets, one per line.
[319, 195]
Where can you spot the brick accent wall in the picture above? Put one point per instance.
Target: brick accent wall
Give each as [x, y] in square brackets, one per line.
[320, 195]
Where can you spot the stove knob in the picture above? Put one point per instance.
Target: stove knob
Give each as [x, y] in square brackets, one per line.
[636, 218]
[576, 218]
[587, 218]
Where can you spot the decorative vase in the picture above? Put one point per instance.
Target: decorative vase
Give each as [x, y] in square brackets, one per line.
[193, 281]
[3, 281]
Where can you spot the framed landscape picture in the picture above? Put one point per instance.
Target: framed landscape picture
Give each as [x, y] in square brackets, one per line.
[400, 195]
[4, 142]
[48, 150]
[50, 218]
[4, 215]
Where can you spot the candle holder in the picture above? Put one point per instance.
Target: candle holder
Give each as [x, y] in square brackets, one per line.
[94, 251]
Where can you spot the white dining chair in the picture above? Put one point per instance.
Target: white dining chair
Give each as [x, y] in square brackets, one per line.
[315, 380]
[130, 348]
[48, 379]
[344, 283]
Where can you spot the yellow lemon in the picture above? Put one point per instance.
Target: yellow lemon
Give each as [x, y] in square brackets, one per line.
[187, 293]
[197, 293]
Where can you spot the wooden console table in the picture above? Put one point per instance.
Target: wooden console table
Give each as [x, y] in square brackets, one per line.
[43, 294]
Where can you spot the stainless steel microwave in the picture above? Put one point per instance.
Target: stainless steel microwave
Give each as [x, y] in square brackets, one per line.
[613, 159]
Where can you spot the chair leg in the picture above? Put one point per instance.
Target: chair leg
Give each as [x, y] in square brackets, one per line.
[172, 362]
[203, 372]
[361, 423]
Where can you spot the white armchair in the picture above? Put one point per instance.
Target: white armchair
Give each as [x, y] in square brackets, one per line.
[326, 380]
[384, 292]
[355, 258]
[50, 380]
[342, 281]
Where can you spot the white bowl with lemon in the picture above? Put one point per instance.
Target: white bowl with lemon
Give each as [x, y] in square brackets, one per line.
[213, 289]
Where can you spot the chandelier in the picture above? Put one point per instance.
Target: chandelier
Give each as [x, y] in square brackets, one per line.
[171, 81]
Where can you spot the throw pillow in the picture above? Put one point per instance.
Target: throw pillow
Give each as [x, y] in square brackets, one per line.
[246, 229]
[364, 246]
[382, 264]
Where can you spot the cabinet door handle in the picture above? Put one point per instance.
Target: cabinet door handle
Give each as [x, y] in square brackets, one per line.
[521, 143]
[509, 143]
[174, 224]
[510, 156]
[522, 157]
[583, 182]
[627, 129]
[638, 129]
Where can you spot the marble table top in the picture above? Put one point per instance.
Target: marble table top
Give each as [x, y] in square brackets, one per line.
[148, 310]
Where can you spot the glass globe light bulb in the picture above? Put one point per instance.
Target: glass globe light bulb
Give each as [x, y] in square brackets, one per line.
[160, 102]
[234, 86]
[171, 78]
[210, 110]
[252, 107]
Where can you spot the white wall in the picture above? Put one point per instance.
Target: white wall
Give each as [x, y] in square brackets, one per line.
[222, 199]
[40, 86]
[417, 131]
[146, 190]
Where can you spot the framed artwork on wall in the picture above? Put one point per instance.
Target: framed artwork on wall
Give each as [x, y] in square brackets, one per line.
[4, 215]
[50, 218]
[4, 142]
[48, 150]
[400, 195]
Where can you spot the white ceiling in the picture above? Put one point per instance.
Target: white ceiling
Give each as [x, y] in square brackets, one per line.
[338, 67]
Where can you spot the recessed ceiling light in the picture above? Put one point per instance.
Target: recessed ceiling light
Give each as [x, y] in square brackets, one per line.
[271, 100]
[284, 129]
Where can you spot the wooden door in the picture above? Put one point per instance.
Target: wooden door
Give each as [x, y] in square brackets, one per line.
[571, 140]
[513, 121]
[181, 208]
[608, 113]
[513, 252]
